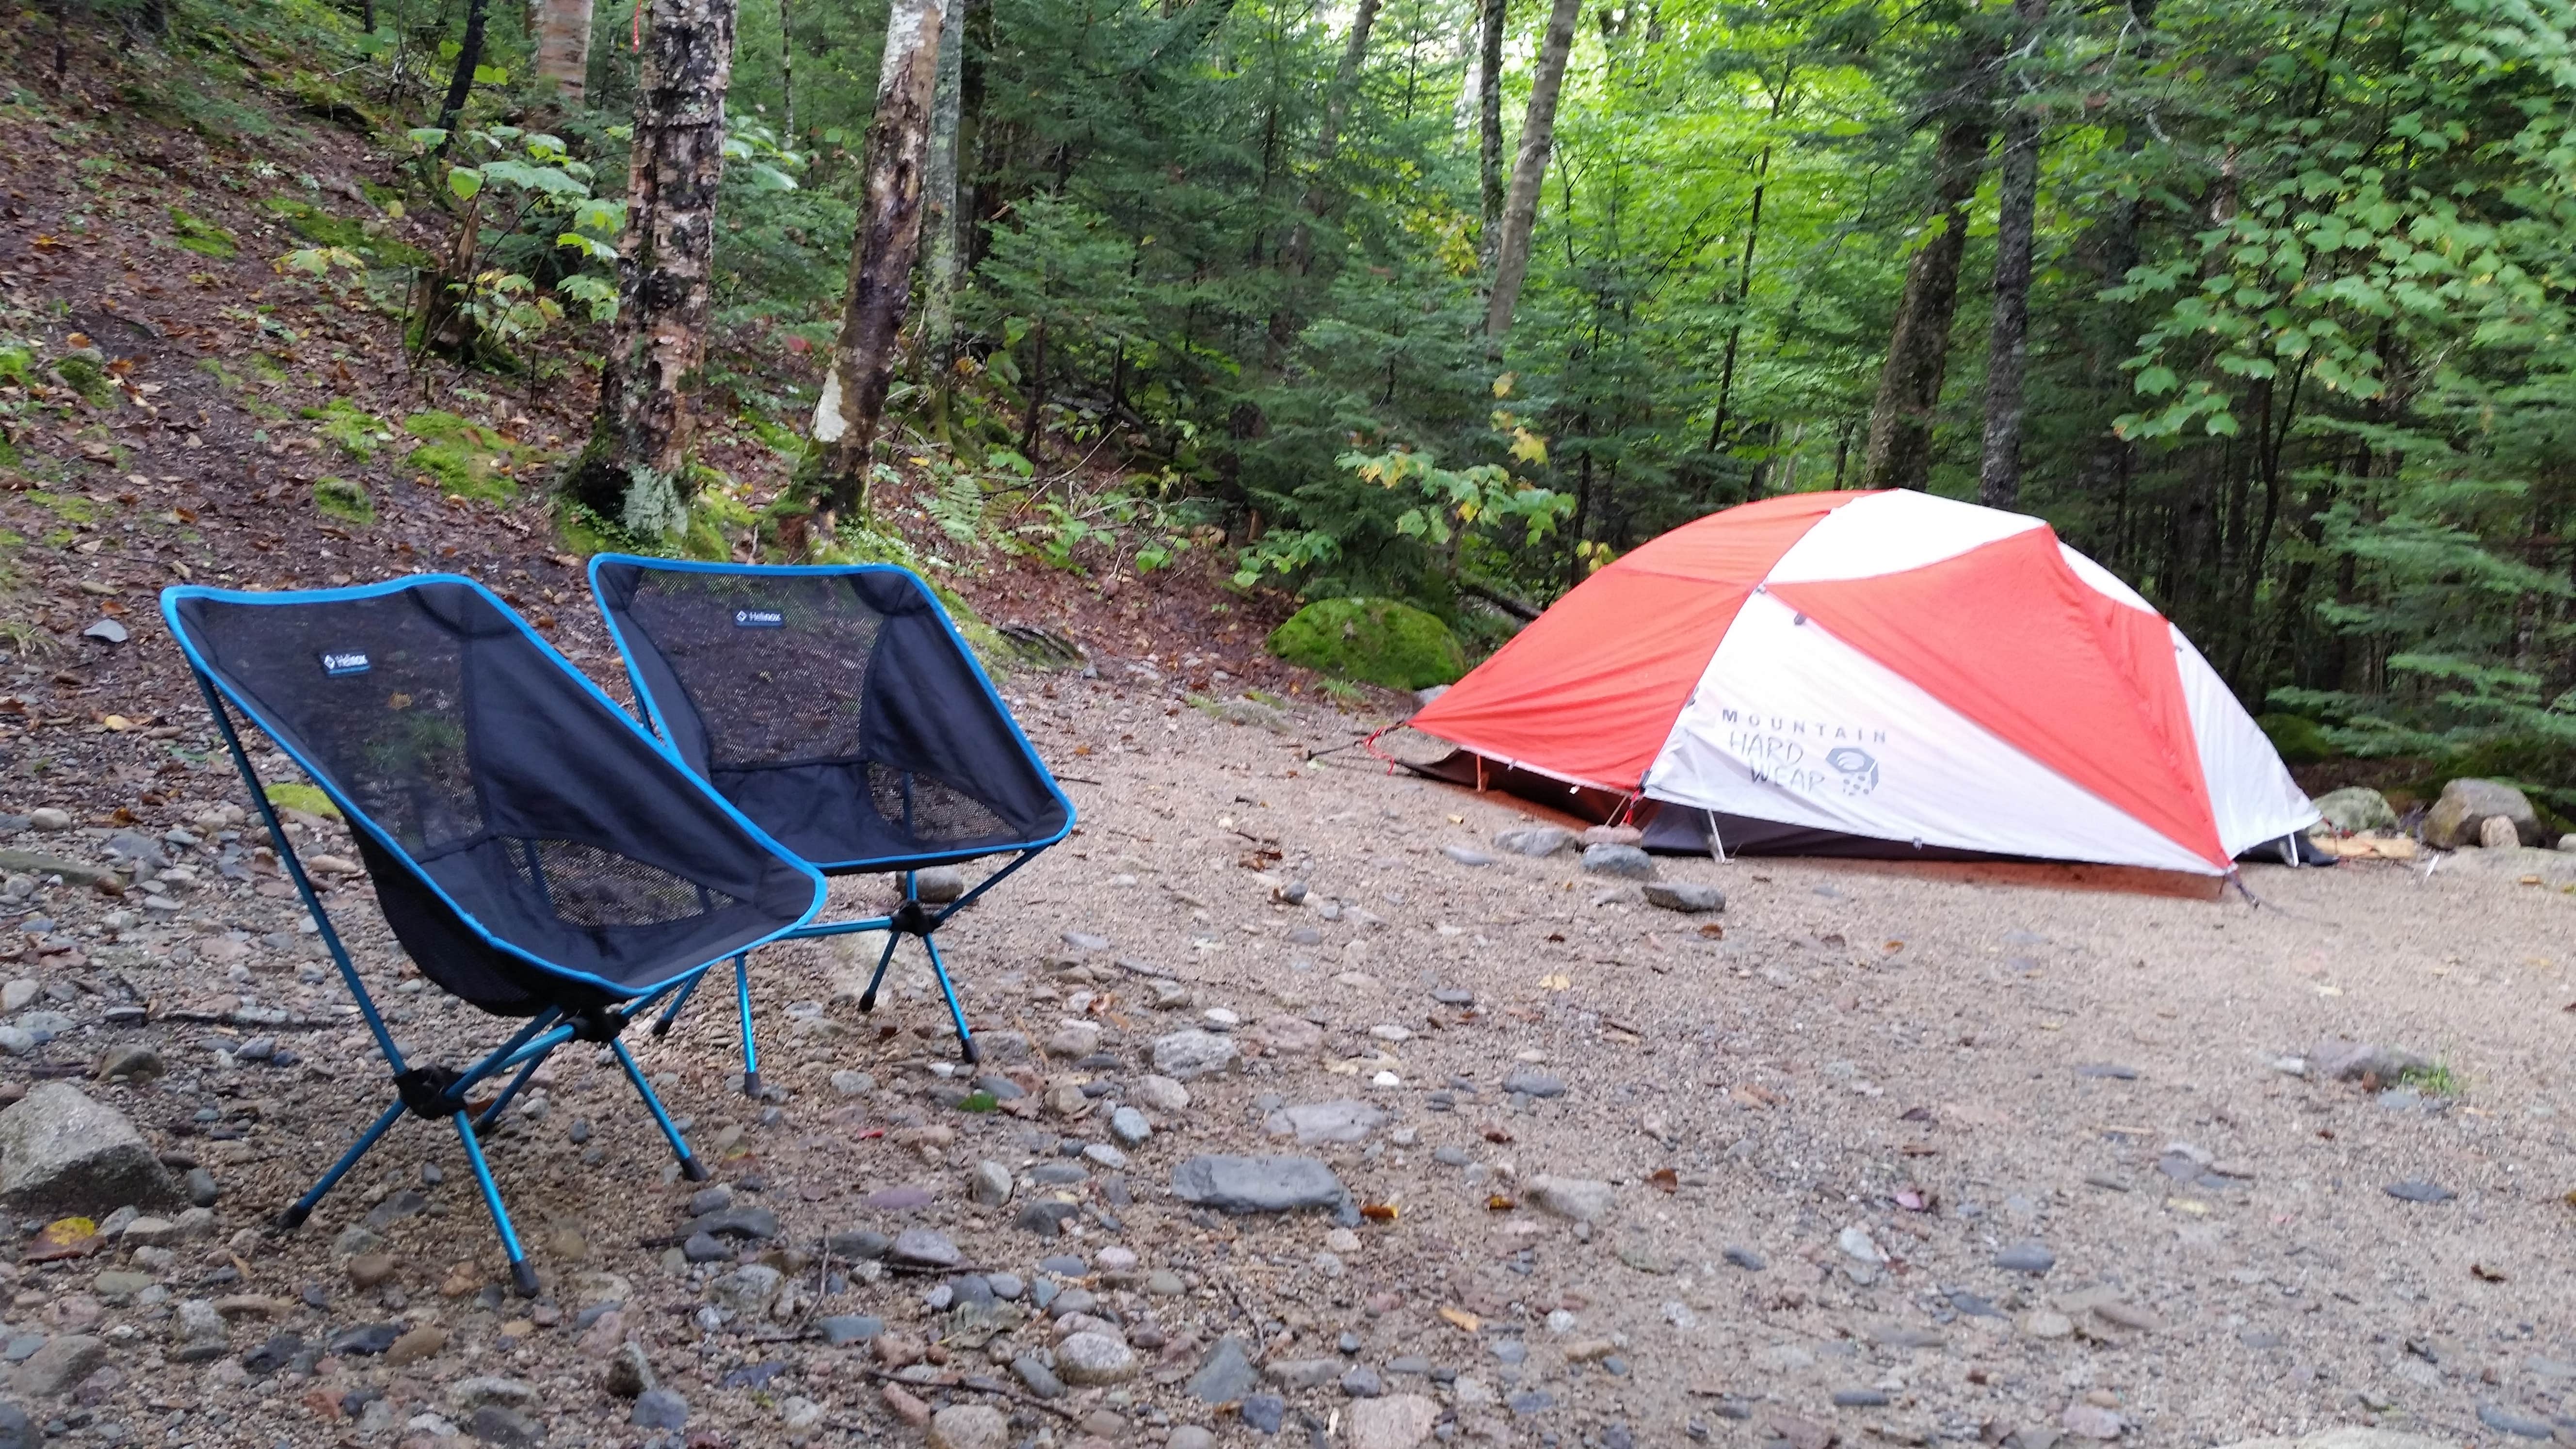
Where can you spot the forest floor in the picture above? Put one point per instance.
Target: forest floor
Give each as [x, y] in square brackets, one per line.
[1869, 1155]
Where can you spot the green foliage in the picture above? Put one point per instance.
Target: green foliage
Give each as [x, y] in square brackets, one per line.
[529, 204]
[463, 458]
[195, 233]
[356, 431]
[341, 499]
[85, 372]
[296, 795]
[1378, 641]
[315, 225]
[2296, 740]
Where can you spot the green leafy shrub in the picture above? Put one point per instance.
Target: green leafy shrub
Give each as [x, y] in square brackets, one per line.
[344, 500]
[1379, 641]
[2297, 739]
[195, 233]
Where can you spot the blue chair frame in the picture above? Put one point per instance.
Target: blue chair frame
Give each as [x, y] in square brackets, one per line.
[912, 916]
[437, 1093]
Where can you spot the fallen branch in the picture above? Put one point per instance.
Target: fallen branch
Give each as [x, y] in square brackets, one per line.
[979, 1385]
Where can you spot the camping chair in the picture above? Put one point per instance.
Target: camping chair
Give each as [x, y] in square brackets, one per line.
[534, 850]
[837, 707]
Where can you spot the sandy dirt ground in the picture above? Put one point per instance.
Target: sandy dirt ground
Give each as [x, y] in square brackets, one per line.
[1869, 1155]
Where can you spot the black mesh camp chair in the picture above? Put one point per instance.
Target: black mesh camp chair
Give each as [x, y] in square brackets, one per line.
[837, 707]
[534, 850]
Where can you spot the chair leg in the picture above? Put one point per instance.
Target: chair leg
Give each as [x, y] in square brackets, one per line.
[868, 998]
[294, 1217]
[671, 1013]
[742, 1007]
[523, 1275]
[690, 1167]
[492, 1114]
[965, 1040]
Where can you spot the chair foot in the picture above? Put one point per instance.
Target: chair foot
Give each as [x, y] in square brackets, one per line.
[661, 1028]
[868, 999]
[293, 1218]
[523, 1276]
[692, 1169]
[967, 1049]
[751, 1085]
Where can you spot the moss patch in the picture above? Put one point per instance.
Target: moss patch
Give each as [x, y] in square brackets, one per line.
[358, 432]
[86, 373]
[341, 499]
[1378, 641]
[316, 225]
[294, 795]
[69, 507]
[463, 458]
[17, 364]
[201, 236]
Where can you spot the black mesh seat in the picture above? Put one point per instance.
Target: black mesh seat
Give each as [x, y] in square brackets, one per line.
[838, 708]
[535, 852]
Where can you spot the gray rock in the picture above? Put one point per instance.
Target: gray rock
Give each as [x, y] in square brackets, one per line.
[505, 1428]
[630, 1374]
[1466, 855]
[659, 1409]
[1625, 861]
[17, 1431]
[989, 1184]
[1747, 1259]
[2340, 1060]
[1362, 1382]
[1040, 1379]
[922, 1248]
[1130, 1127]
[940, 884]
[1186, 1056]
[1343, 1120]
[59, 1366]
[1263, 1413]
[747, 1290]
[1531, 1082]
[1257, 1184]
[969, 1426]
[1687, 897]
[1094, 1358]
[2496, 832]
[2522, 1426]
[1401, 1421]
[1538, 841]
[62, 1154]
[2356, 808]
[842, 1329]
[757, 1223]
[134, 1061]
[2419, 1191]
[1191, 1436]
[201, 1188]
[198, 1333]
[1576, 1199]
[2029, 1257]
[2466, 805]
[1226, 1376]
[1303, 1373]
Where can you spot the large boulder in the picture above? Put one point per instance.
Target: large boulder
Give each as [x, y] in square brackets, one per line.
[2356, 808]
[1377, 641]
[63, 1154]
[2459, 818]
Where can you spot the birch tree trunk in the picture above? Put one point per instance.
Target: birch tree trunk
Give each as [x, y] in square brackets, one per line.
[1489, 125]
[636, 465]
[1529, 172]
[2008, 336]
[881, 257]
[1918, 346]
[939, 213]
[562, 31]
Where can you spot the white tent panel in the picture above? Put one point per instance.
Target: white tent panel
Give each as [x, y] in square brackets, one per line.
[2251, 794]
[1889, 533]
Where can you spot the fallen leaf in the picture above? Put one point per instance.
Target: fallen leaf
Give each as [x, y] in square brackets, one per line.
[1461, 1319]
[1501, 1204]
[1713, 931]
[63, 1238]
[1910, 1200]
[117, 724]
[1497, 1134]
[1666, 1179]
[1556, 983]
[1378, 1212]
[2485, 1274]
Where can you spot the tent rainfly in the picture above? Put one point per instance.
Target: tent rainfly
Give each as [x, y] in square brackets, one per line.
[1883, 673]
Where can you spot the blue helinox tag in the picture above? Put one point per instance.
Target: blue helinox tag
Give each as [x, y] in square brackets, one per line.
[345, 662]
[758, 619]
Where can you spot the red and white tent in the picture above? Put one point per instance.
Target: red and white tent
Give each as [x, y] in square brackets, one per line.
[1882, 673]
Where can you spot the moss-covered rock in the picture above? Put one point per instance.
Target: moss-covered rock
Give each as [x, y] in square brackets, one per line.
[296, 795]
[196, 234]
[462, 458]
[341, 499]
[1378, 641]
[322, 228]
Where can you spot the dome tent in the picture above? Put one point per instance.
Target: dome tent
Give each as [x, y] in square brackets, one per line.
[1886, 673]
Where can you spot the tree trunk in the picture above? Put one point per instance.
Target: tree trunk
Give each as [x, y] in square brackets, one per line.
[786, 76]
[1529, 171]
[638, 458]
[881, 255]
[1743, 296]
[976, 42]
[460, 83]
[2008, 337]
[562, 30]
[939, 214]
[1918, 347]
[1489, 124]
[1299, 257]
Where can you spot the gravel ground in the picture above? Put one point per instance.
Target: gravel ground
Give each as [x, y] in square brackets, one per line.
[1807, 1138]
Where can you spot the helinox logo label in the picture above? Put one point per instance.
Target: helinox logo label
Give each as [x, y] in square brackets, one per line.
[758, 619]
[344, 663]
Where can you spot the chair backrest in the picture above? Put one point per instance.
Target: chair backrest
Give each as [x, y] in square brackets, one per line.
[529, 843]
[835, 705]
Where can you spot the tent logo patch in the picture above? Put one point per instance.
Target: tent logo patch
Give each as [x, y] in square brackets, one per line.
[1858, 768]
[345, 662]
[759, 619]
